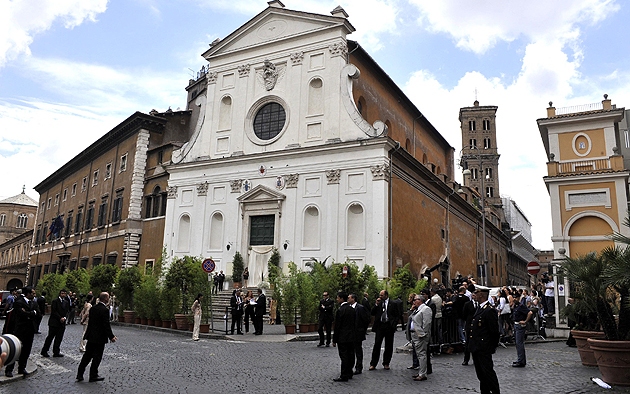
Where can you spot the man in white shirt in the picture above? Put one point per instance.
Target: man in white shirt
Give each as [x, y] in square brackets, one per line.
[549, 297]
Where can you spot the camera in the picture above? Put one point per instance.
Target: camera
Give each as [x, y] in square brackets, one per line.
[12, 346]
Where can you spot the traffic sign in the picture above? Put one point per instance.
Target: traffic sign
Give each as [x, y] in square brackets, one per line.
[533, 268]
[208, 265]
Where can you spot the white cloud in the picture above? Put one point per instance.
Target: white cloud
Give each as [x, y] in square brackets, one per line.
[21, 20]
[478, 25]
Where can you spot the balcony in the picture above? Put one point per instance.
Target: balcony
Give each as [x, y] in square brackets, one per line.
[613, 163]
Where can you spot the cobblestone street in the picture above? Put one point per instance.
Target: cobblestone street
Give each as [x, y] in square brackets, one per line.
[155, 362]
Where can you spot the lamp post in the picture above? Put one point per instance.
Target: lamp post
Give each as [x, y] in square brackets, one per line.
[483, 214]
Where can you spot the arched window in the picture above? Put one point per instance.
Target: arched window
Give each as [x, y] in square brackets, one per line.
[311, 233]
[315, 97]
[22, 220]
[183, 237]
[225, 113]
[216, 231]
[355, 229]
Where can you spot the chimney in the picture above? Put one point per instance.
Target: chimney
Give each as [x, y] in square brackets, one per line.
[606, 103]
[551, 110]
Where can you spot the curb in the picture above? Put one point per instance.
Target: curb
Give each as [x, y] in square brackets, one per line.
[31, 368]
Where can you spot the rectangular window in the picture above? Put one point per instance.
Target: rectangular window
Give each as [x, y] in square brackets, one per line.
[89, 217]
[471, 125]
[84, 262]
[38, 234]
[488, 173]
[148, 266]
[74, 189]
[108, 171]
[487, 144]
[489, 191]
[473, 143]
[56, 199]
[262, 230]
[43, 206]
[84, 184]
[123, 163]
[117, 208]
[102, 213]
[96, 260]
[65, 194]
[68, 227]
[77, 223]
[474, 173]
[486, 124]
[95, 178]
[160, 157]
[45, 232]
[111, 259]
[627, 138]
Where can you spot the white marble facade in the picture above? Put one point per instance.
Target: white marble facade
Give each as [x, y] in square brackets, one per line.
[322, 173]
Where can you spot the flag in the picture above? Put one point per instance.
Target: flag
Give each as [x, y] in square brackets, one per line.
[55, 227]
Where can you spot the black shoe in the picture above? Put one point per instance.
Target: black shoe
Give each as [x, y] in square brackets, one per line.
[465, 363]
[8, 374]
[57, 355]
[45, 354]
[23, 373]
[340, 380]
[239, 333]
[518, 365]
[357, 372]
[328, 345]
[320, 345]
[79, 378]
[412, 367]
[97, 379]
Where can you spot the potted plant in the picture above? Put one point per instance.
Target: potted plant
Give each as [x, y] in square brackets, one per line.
[127, 282]
[238, 266]
[605, 280]
[169, 300]
[288, 293]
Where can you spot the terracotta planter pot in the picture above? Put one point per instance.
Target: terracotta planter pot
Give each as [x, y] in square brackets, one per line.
[121, 319]
[173, 325]
[182, 321]
[166, 324]
[158, 323]
[314, 327]
[586, 354]
[136, 320]
[204, 328]
[304, 327]
[143, 321]
[613, 360]
[289, 328]
[130, 316]
[151, 322]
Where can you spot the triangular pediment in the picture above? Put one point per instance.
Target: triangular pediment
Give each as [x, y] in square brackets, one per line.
[273, 25]
[261, 193]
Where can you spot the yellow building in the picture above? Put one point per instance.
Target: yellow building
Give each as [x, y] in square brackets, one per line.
[586, 178]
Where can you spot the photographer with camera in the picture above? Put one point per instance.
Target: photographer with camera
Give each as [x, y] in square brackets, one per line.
[25, 312]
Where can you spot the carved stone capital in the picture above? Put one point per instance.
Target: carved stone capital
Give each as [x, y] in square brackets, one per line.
[171, 192]
[212, 77]
[333, 176]
[296, 58]
[338, 49]
[202, 189]
[380, 172]
[291, 180]
[243, 70]
[236, 185]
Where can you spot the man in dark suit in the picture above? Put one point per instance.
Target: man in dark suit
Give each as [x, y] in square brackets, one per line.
[41, 304]
[25, 312]
[362, 322]
[236, 307]
[259, 312]
[56, 324]
[325, 319]
[344, 336]
[386, 316]
[98, 332]
[221, 280]
[470, 307]
[483, 341]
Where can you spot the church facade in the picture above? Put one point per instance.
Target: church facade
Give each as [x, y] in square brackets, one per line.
[304, 144]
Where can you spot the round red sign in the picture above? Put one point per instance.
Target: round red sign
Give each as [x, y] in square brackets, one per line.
[533, 268]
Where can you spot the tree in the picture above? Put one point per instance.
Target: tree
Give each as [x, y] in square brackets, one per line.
[238, 266]
[78, 281]
[273, 267]
[127, 283]
[51, 284]
[103, 277]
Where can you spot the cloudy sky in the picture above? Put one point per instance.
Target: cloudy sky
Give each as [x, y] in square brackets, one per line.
[70, 70]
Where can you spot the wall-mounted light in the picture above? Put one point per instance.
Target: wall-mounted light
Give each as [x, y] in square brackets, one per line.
[229, 245]
[286, 244]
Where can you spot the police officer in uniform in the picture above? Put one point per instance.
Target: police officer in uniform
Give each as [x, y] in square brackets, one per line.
[483, 341]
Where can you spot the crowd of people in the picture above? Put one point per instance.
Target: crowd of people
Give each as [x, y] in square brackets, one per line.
[24, 314]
